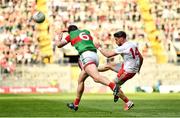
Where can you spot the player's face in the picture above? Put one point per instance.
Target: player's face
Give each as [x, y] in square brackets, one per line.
[119, 41]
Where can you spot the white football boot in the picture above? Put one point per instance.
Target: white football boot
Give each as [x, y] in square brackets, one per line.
[128, 105]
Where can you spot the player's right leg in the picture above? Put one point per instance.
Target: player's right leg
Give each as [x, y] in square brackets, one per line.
[128, 104]
[89, 62]
[110, 66]
[92, 71]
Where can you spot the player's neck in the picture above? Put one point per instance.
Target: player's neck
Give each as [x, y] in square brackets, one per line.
[124, 41]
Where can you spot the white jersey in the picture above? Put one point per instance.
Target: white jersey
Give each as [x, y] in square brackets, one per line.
[131, 56]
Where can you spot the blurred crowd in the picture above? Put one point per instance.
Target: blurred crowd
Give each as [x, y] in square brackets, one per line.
[18, 44]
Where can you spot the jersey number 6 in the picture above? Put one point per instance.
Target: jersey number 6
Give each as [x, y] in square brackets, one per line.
[84, 36]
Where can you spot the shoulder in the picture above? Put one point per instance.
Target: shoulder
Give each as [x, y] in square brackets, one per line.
[74, 32]
[131, 44]
[85, 30]
[67, 38]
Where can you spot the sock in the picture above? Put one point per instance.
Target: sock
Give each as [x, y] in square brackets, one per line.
[126, 100]
[112, 85]
[76, 101]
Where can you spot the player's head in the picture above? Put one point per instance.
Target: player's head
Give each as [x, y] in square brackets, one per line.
[120, 37]
[72, 28]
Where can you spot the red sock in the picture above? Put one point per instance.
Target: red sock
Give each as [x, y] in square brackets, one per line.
[126, 100]
[112, 85]
[76, 101]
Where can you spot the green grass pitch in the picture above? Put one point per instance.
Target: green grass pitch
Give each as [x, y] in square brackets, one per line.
[92, 105]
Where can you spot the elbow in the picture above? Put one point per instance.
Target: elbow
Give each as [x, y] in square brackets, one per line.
[106, 55]
[110, 55]
[59, 46]
[141, 59]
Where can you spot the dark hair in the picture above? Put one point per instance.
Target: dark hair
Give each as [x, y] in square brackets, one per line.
[120, 34]
[72, 28]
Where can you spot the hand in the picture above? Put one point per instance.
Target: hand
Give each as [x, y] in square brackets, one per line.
[59, 33]
[97, 45]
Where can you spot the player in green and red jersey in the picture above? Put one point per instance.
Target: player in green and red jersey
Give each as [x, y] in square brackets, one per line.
[88, 61]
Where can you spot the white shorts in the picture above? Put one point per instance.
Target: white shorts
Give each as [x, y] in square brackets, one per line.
[88, 57]
[122, 75]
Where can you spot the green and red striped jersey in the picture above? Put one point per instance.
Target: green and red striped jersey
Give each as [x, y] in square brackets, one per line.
[81, 40]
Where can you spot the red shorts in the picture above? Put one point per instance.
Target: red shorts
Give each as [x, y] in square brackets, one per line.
[123, 76]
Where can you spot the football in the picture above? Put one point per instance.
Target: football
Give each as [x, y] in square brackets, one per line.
[39, 17]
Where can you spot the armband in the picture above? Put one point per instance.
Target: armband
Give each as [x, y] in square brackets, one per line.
[99, 48]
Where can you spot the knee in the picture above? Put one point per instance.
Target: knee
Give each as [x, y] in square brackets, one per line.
[96, 79]
[108, 66]
[80, 82]
[119, 80]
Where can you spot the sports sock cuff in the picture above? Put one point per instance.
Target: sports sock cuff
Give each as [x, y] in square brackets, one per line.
[111, 85]
[76, 101]
[126, 100]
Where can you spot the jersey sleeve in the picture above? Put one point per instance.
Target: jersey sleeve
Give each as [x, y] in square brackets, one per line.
[68, 38]
[121, 49]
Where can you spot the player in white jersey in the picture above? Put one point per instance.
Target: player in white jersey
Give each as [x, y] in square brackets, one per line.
[131, 65]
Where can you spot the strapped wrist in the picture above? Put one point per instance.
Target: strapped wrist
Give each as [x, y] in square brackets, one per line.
[99, 48]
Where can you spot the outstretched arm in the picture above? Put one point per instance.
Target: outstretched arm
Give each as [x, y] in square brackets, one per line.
[106, 53]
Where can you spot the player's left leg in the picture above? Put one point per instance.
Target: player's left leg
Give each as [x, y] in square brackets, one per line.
[122, 77]
[80, 90]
